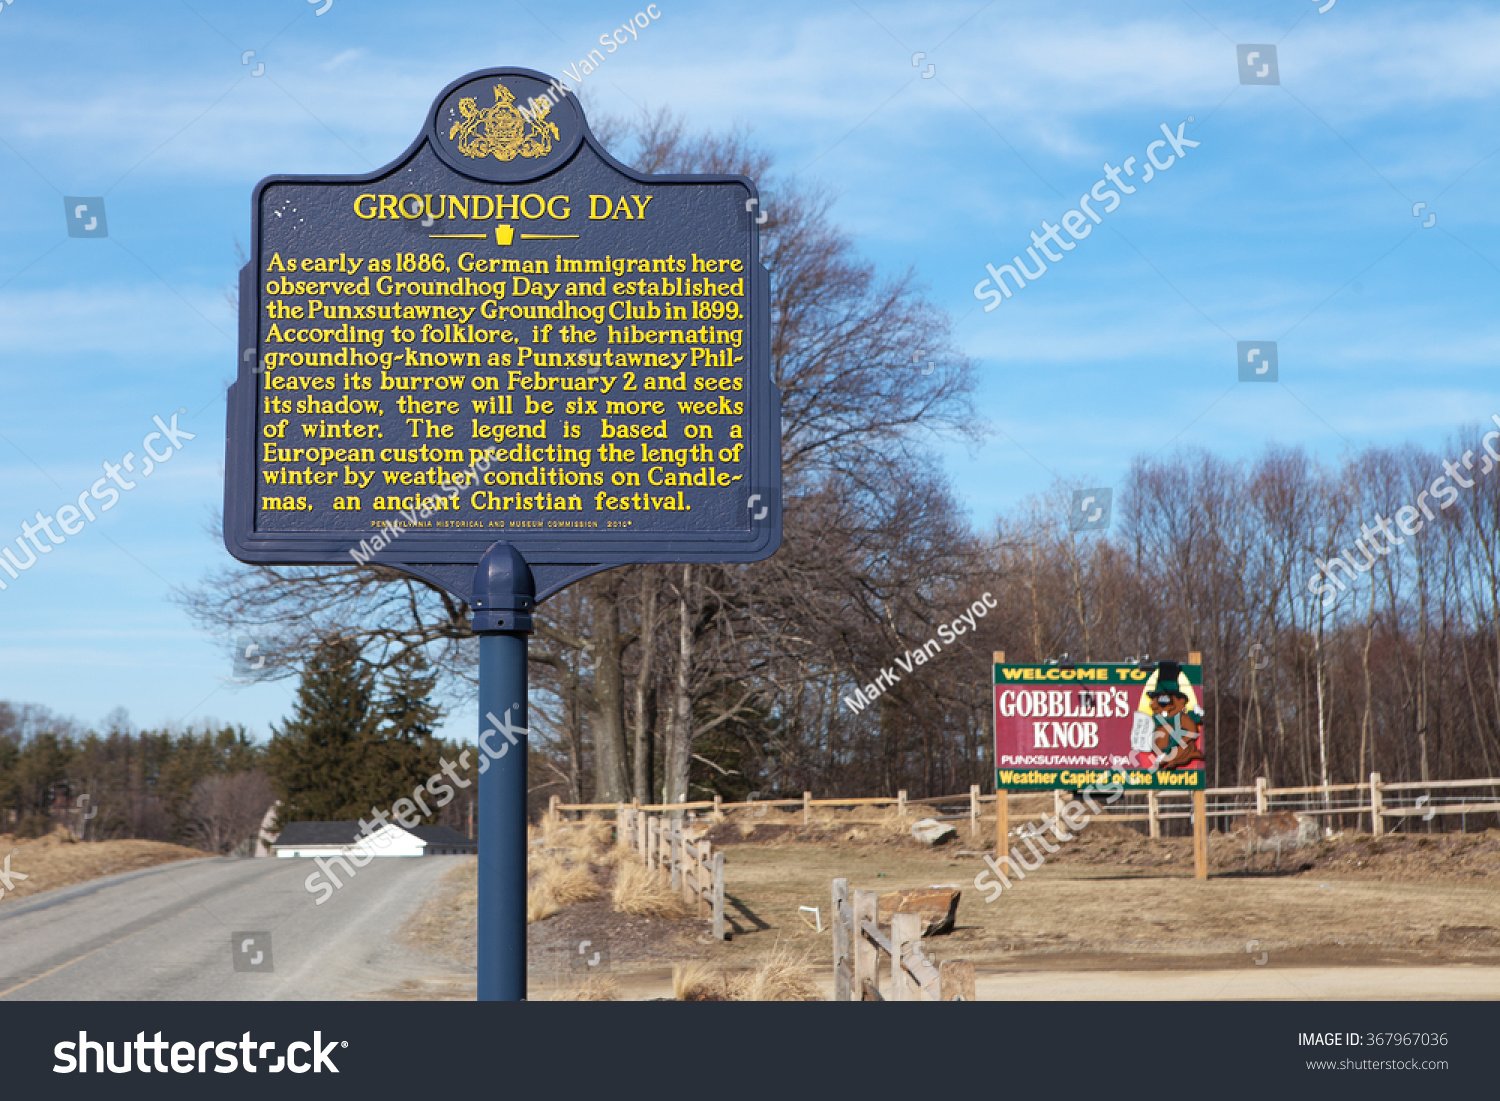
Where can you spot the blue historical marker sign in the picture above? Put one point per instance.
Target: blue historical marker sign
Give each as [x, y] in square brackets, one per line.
[504, 336]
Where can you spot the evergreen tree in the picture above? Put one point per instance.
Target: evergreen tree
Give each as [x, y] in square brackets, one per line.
[347, 751]
[407, 753]
[318, 758]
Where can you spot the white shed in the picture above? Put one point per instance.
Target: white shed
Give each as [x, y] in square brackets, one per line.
[325, 839]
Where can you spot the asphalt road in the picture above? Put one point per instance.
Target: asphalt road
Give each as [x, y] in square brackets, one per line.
[173, 933]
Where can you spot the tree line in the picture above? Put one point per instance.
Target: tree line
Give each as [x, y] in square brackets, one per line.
[663, 682]
[355, 743]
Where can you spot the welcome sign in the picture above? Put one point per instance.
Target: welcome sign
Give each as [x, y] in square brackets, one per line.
[1074, 726]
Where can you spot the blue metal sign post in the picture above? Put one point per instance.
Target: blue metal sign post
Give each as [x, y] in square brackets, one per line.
[504, 595]
[502, 363]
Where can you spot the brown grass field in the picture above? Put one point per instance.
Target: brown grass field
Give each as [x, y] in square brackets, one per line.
[59, 861]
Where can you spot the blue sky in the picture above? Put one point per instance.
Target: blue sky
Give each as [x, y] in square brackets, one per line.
[1291, 221]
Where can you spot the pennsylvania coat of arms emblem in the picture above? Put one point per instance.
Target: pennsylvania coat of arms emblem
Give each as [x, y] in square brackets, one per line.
[504, 130]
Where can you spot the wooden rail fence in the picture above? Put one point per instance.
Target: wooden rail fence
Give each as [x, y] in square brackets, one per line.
[673, 846]
[858, 944]
[1388, 803]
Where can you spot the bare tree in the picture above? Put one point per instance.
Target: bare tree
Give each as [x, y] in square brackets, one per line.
[226, 810]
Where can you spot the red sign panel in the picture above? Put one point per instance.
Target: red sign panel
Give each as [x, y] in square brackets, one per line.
[1076, 726]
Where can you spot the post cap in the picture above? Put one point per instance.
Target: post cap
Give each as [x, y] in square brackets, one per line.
[504, 591]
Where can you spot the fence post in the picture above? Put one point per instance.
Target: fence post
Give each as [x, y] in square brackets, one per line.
[673, 856]
[973, 810]
[1261, 801]
[1377, 806]
[866, 955]
[1200, 834]
[552, 811]
[718, 803]
[807, 808]
[1153, 808]
[1059, 830]
[719, 897]
[843, 964]
[703, 880]
[905, 929]
[956, 981]
[901, 802]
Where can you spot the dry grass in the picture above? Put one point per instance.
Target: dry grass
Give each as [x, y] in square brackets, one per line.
[894, 823]
[595, 988]
[698, 982]
[586, 841]
[783, 976]
[58, 861]
[569, 884]
[645, 893]
[557, 881]
[448, 923]
[540, 904]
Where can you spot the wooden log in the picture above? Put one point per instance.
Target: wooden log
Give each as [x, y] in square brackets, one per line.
[956, 983]
[843, 961]
[1153, 814]
[866, 954]
[720, 933]
[1200, 835]
[1319, 789]
[906, 930]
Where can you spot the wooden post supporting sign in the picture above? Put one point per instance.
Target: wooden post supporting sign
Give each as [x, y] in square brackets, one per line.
[1200, 809]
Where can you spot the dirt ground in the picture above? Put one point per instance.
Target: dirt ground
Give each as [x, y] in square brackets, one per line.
[1112, 897]
[1350, 916]
[58, 861]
